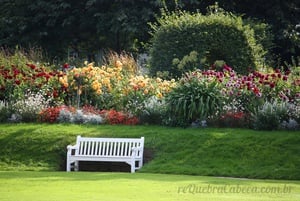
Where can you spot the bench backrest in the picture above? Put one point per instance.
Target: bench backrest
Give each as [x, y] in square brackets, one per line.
[108, 147]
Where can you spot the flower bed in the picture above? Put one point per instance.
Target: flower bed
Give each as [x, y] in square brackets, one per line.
[117, 94]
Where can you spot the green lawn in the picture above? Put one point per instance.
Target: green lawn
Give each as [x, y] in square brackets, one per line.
[207, 152]
[92, 186]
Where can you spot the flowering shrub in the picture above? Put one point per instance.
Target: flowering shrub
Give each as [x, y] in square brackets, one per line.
[15, 80]
[138, 89]
[257, 87]
[51, 114]
[112, 86]
[66, 114]
[242, 94]
[221, 97]
[86, 115]
[232, 119]
[28, 108]
[114, 117]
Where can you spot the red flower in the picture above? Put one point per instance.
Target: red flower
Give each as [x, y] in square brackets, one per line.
[55, 94]
[16, 72]
[66, 65]
[256, 90]
[277, 70]
[32, 66]
[279, 75]
[272, 85]
[17, 82]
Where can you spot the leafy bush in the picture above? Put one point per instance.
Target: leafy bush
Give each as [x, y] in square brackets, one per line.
[270, 115]
[153, 112]
[182, 41]
[65, 116]
[80, 117]
[5, 111]
[193, 99]
[291, 124]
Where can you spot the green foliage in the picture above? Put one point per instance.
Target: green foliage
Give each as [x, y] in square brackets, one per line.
[5, 111]
[263, 35]
[62, 27]
[270, 115]
[188, 62]
[217, 36]
[193, 99]
[154, 111]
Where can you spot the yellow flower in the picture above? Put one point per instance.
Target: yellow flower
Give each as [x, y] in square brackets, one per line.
[64, 81]
[109, 70]
[96, 85]
[90, 65]
[106, 81]
[99, 91]
[119, 64]
[159, 95]
[146, 91]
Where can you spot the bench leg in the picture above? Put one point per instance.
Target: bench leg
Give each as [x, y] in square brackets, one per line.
[132, 168]
[68, 166]
[132, 165]
[140, 163]
[76, 166]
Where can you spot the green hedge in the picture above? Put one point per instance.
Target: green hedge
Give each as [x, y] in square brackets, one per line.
[181, 41]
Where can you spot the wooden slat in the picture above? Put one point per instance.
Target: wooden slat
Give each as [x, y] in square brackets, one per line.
[106, 149]
[100, 149]
[96, 148]
[126, 149]
[122, 149]
[114, 149]
[118, 148]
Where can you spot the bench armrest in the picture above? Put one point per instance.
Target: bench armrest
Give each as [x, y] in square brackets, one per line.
[136, 151]
[70, 148]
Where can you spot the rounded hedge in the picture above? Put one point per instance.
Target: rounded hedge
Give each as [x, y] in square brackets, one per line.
[184, 41]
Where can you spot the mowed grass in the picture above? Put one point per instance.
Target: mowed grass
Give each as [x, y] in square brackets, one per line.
[92, 186]
[207, 152]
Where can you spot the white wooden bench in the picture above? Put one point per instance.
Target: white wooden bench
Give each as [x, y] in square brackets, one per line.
[128, 150]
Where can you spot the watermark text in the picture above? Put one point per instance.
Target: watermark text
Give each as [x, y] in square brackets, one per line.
[243, 189]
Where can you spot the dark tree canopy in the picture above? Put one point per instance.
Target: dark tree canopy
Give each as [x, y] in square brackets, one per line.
[89, 25]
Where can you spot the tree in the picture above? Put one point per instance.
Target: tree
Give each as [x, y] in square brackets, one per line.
[88, 25]
[84, 26]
